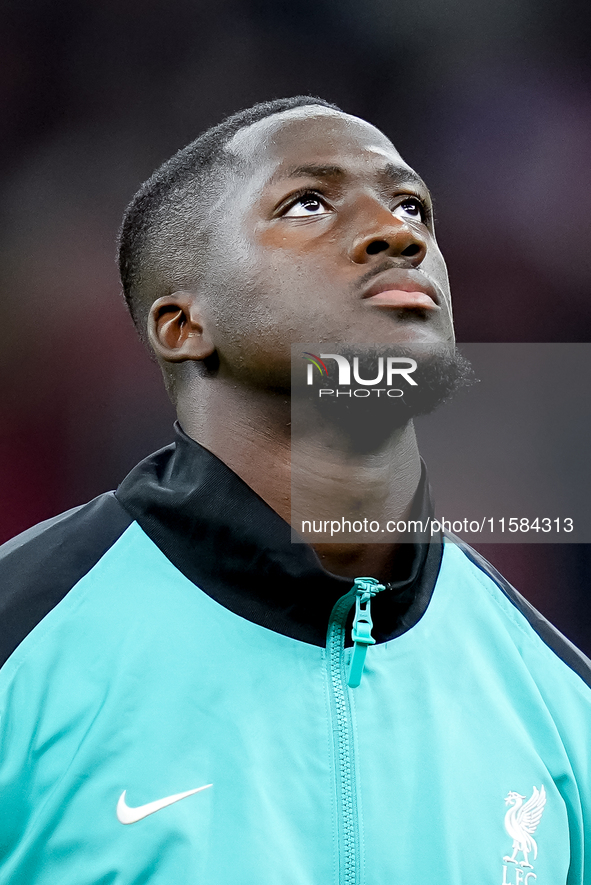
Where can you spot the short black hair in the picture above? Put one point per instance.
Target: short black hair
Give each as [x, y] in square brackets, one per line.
[161, 232]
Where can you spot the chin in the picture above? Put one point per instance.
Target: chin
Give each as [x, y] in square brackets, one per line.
[367, 422]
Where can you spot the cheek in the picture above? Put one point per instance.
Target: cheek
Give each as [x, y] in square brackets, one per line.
[263, 296]
[434, 265]
[276, 288]
[436, 262]
[270, 295]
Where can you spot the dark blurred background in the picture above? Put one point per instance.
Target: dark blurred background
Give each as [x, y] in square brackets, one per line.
[490, 101]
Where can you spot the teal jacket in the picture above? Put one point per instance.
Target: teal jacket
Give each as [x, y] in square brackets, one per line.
[153, 733]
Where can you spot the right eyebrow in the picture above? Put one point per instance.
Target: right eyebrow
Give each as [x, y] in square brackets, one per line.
[310, 170]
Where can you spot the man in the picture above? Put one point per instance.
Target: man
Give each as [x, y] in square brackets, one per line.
[181, 696]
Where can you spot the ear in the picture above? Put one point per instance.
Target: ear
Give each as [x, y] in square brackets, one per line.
[177, 329]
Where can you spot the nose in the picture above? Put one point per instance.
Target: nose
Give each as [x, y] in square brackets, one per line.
[385, 234]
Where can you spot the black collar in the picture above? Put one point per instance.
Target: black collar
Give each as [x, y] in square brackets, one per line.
[232, 545]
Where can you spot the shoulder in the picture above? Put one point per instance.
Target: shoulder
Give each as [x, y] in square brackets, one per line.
[529, 616]
[40, 566]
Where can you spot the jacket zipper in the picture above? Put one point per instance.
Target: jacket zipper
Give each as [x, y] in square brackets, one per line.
[340, 681]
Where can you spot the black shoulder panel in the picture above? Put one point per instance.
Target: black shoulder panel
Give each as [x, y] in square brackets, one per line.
[560, 645]
[40, 566]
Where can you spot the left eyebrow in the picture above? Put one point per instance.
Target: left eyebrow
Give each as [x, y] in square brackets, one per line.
[399, 176]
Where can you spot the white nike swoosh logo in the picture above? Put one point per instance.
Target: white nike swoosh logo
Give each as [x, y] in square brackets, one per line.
[127, 815]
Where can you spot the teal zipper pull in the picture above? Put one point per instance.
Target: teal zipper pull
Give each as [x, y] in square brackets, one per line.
[364, 588]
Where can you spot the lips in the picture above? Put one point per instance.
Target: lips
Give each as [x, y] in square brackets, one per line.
[396, 290]
[399, 298]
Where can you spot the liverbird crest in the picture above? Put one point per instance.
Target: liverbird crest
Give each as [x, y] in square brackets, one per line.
[521, 822]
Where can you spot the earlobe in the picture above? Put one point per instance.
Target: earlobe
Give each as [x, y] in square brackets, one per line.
[177, 329]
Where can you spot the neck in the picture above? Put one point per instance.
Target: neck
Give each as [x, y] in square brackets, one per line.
[250, 431]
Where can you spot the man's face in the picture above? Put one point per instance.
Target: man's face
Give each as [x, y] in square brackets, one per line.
[323, 234]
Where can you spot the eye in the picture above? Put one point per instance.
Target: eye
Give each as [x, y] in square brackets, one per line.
[411, 208]
[306, 205]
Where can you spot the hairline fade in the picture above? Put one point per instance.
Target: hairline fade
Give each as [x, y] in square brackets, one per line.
[162, 232]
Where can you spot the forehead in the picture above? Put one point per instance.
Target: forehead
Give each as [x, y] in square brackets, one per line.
[312, 135]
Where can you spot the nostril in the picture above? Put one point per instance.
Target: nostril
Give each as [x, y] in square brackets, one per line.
[410, 250]
[377, 246]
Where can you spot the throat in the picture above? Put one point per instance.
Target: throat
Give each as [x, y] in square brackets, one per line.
[352, 560]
